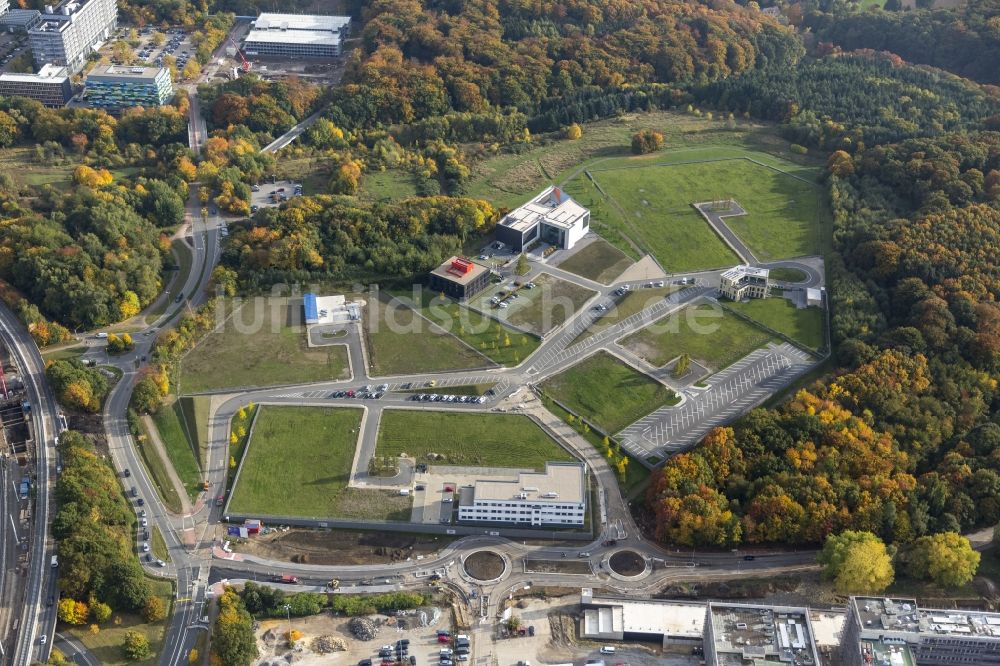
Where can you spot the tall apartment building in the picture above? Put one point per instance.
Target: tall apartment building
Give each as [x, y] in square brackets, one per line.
[50, 86]
[120, 87]
[557, 496]
[69, 32]
[895, 631]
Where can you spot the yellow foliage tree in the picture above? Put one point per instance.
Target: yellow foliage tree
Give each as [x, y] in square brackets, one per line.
[84, 175]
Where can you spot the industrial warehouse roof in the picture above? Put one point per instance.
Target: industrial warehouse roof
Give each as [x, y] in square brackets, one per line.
[676, 619]
[297, 29]
[560, 482]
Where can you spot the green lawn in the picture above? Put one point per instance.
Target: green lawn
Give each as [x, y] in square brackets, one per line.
[262, 344]
[633, 302]
[805, 326]
[607, 392]
[159, 545]
[194, 410]
[400, 341]
[158, 472]
[298, 463]
[503, 345]
[390, 184]
[482, 440]
[64, 353]
[105, 646]
[21, 164]
[170, 423]
[599, 261]
[706, 333]
[783, 274]
[538, 310]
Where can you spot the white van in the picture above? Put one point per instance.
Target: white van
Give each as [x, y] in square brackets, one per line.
[607, 649]
[101, 336]
[55, 560]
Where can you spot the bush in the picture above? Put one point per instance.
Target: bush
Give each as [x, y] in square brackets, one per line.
[366, 604]
[797, 149]
[573, 132]
[646, 141]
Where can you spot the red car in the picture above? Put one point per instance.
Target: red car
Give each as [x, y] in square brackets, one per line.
[444, 639]
[219, 500]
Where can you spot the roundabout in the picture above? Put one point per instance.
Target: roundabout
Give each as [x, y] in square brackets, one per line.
[628, 565]
[485, 566]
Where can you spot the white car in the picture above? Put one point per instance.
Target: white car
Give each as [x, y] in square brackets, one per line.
[145, 523]
[43, 639]
[145, 547]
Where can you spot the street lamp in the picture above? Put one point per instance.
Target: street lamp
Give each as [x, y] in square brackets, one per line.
[288, 616]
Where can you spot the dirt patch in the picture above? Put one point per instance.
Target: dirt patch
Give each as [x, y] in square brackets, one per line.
[744, 588]
[484, 565]
[342, 547]
[627, 563]
[557, 566]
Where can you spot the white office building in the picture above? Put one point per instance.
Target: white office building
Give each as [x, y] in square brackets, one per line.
[556, 497]
[297, 35]
[552, 217]
[71, 31]
[744, 281]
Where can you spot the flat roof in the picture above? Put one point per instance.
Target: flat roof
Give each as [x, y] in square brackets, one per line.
[760, 632]
[886, 614]
[653, 616]
[443, 272]
[560, 482]
[828, 627]
[737, 272]
[291, 37]
[19, 16]
[552, 206]
[280, 21]
[125, 73]
[49, 73]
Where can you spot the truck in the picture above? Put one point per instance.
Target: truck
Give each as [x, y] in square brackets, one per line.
[290, 580]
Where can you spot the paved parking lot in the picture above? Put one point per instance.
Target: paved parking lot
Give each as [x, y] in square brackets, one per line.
[269, 195]
[178, 44]
[730, 393]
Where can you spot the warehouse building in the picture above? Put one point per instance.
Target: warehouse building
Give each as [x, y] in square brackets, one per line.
[745, 281]
[70, 32]
[552, 217]
[121, 87]
[609, 617]
[459, 278]
[555, 497]
[297, 35]
[50, 86]
[329, 309]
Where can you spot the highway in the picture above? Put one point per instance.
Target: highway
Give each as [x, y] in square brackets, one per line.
[37, 619]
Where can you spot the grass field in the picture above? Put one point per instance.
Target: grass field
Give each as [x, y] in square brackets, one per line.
[608, 392]
[173, 278]
[482, 440]
[389, 184]
[159, 545]
[413, 346]
[805, 326]
[105, 647]
[158, 471]
[314, 174]
[181, 450]
[503, 345]
[599, 261]
[783, 274]
[262, 344]
[633, 302]
[194, 410]
[64, 353]
[20, 163]
[313, 448]
[538, 310]
[707, 334]
[652, 205]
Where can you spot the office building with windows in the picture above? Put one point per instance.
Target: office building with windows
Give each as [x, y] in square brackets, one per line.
[744, 281]
[68, 33]
[18, 20]
[121, 87]
[459, 278]
[552, 217]
[50, 86]
[297, 35]
[555, 497]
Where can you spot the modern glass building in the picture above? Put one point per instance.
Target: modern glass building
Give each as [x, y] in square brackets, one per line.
[119, 87]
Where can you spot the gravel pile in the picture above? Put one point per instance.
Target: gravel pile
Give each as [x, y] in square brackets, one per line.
[328, 644]
[363, 628]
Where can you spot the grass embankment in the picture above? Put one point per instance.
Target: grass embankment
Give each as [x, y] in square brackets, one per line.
[804, 325]
[608, 392]
[481, 440]
[599, 261]
[171, 424]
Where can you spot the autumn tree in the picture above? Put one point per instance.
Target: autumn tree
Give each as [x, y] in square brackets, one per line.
[233, 639]
[100, 612]
[347, 177]
[154, 609]
[72, 611]
[646, 141]
[573, 132]
[135, 645]
[946, 558]
[856, 562]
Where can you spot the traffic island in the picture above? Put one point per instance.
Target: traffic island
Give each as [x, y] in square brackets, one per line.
[628, 565]
[485, 566]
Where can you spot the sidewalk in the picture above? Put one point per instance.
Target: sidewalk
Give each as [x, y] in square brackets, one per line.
[161, 451]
